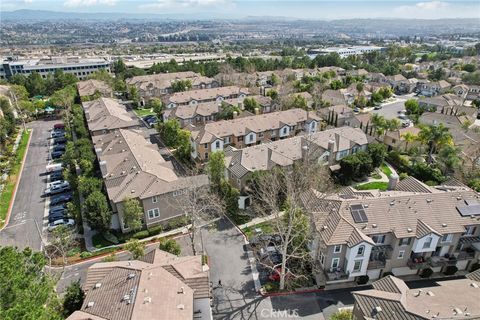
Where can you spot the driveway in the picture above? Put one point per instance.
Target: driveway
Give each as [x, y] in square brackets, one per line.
[27, 217]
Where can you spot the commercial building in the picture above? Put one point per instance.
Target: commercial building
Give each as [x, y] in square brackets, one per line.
[344, 52]
[80, 67]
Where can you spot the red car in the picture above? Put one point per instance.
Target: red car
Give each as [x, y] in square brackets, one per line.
[59, 126]
[275, 276]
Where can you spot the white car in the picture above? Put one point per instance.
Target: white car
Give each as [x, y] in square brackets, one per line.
[62, 222]
[57, 183]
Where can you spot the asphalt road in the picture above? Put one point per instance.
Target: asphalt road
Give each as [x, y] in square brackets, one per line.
[26, 220]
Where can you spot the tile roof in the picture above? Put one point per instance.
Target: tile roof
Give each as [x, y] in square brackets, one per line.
[107, 114]
[90, 87]
[206, 94]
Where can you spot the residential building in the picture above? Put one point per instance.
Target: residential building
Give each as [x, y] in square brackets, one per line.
[396, 139]
[105, 114]
[91, 89]
[392, 299]
[342, 115]
[403, 231]
[333, 97]
[80, 67]
[328, 146]
[157, 85]
[193, 97]
[132, 167]
[442, 102]
[158, 286]
[251, 130]
[430, 89]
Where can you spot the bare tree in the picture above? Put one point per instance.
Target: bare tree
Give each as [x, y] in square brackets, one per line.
[278, 193]
[199, 204]
[62, 240]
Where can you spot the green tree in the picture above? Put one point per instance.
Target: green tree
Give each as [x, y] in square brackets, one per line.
[342, 315]
[434, 137]
[35, 84]
[132, 214]
[377, 152]
[73, 299]
[169, 132]
[272, 94]
[469, 67]
[184, 149]
[250, 104]
[170, 246]
[299, 102]
[181, 85]
[157, 106]
[64, 98]
[409, 138]
[119, 68]
[135, 247]
[216, 169]
[26, 290]
[448, 158]
[412, 107]
[88, 185]
[97, 212]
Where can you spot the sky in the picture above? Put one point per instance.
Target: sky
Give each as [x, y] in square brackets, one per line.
[309, 9]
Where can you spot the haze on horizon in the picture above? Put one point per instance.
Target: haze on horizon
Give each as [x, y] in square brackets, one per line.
[310, 9]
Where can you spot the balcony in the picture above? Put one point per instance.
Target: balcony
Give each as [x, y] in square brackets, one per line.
[467, 254]
[376, 264]
[336, 274]
[379, 256]
[442, 261]
[417, 263]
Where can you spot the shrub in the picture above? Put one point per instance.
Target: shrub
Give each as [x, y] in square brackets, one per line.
[342, 315]
[362, 280]
[85, 254]
[110, 237]
[403, 175]
[110, 258]
[426, 273]
[140, 234]
[270, 286]
[386, 274]
[170, 246]
[177, 222]
[450, 270]
[73, 252]
[155, 230]
[475, 266]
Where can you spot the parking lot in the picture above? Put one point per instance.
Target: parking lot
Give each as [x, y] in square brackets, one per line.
[26, 222]
[391, 110]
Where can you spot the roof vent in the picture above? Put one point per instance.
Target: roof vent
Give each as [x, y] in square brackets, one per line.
[126, 297]
[365, 205]
[418, 293]
[459, 198]
[181, 291]
[324, 228]
[377, 310]
[457, 311]
[90, 304]
[132, 191]
[444, 225]
[131, 276]
[98, 285]
[429, 200]
[474, 285]
[409, 230]
[181, 306]
[147, 300]
[430, 293]
[374, 225]
[392, 203]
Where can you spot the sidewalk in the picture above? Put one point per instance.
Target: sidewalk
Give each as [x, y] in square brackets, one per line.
[259, 220]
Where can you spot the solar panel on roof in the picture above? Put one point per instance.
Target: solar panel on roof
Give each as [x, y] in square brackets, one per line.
[471, 210]
[358, 213]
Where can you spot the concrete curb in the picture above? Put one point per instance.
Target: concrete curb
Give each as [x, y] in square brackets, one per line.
[288, 293]
[12, 200]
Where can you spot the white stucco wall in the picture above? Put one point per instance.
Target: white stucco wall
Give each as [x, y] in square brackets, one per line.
[351, 256]
[418, 244]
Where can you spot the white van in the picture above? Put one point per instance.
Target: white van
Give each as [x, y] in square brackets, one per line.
[54, 167]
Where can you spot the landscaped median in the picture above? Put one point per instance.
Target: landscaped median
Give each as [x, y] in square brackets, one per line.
[6, 197]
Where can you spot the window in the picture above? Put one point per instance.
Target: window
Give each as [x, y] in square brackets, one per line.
[322, 258]
[427, 243]
[217, 144]
[470, 231]
[273, 133]
[285, 130]
[206, 155]
[361, 251]
[401, 254]
[337, 249]
[240, 138]
[379, 239]
[179, 192]
[206, 145]
[153, 213]
[405, 241]
[260, 135]
[447, 237]
[155, 199]
[250, 137]
[357, 266]
[342, 154]
[226, 140]
[335, 263]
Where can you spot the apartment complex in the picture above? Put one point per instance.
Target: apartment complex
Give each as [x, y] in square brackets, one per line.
[344, 52]
[132, 167]
[91, 89]
[403, 231]
[194, 97]
[328, 146]
[158, 286]
[248, 131]
[105, 114]
[391, 299]
[157, 85]
[80, 67]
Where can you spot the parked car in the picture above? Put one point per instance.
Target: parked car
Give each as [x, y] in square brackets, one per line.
[57, 183]
[148, 117]
[58, 208]
[51, 166]
[59, 147]
[61, 140]
[58, 134]
[56, 216]
[275, 275]
[377, 107]
[356, 109]
[61, 198]
[58, 126]
[56, 176]
[266, 240]
[57, 154]
[57, 189]
[55, 224]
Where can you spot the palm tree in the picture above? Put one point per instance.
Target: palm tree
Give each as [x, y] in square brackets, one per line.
[408, 137]
[435, 137]
[448, 158]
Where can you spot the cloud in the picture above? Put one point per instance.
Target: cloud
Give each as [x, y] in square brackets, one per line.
[437, 10]
[162, 4]
[432, 5]
[88, 3]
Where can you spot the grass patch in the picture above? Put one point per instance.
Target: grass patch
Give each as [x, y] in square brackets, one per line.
[266, 228]
[386, 169]
[143, 112]
[373, 185]
[376, 175]
[7, 192]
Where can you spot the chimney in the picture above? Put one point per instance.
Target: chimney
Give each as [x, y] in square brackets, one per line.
[257, 111]
[331, 149]
[103, 167]
[393, 181]
[235, 114]
[241, 106]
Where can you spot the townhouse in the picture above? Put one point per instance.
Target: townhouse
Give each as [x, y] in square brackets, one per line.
[442, 103]
[157, 85]
[194, 97]
[159, 286]
[430, 89]
[396, 139]
[132, 167]
[251, 130]
[91, 89]
[105, 115]
[328, 147]
[391, 299]
[405, 230]
[342, 115]
[205, 112]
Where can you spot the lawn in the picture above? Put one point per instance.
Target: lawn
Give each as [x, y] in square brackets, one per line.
[386, 169]
[373, 185]
[7, 192]
[266, 228]
[143, 112]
